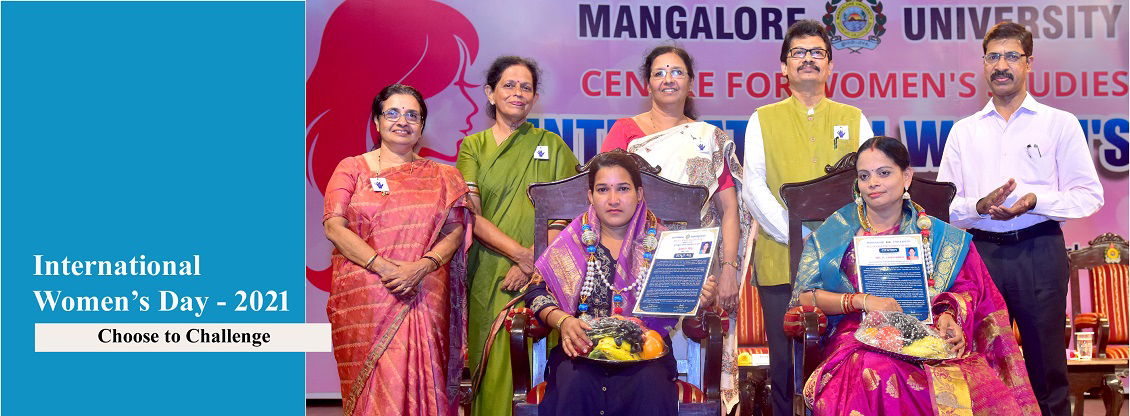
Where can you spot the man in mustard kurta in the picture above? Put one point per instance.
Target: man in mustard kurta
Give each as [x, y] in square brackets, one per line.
[791, 141]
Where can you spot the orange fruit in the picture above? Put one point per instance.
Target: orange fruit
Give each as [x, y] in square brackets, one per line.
[652, 345]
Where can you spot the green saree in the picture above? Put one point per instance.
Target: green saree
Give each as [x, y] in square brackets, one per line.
[501, 174]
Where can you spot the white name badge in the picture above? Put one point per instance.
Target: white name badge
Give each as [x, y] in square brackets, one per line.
[840, 133]
[701, 147]
[541, 153]
[379, 185]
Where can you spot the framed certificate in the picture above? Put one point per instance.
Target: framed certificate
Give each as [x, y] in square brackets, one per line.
[678, 270]
[891, 266]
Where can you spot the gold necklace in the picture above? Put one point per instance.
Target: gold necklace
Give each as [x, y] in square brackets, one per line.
[924, 224]
[654, 125]
[865, 220]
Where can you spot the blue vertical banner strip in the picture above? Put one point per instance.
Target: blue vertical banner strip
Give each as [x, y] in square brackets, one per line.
[170, 130]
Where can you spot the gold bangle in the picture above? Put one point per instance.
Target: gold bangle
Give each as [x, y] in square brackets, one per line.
[564, 316]
[558, 225]
[734, 264]
[549, 312]
[370, 262]
[435, 256]
[865, 296]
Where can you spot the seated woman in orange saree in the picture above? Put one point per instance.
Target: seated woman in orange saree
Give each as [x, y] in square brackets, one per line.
[397, 305]
[987, 377]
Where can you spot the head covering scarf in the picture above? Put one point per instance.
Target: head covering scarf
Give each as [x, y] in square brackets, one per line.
[563, 264]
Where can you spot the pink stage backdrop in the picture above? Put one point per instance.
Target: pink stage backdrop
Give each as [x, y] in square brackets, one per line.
[913, 67]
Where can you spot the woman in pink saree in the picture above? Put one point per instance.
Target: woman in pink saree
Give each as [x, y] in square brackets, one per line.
[986, 378]
[397, 302]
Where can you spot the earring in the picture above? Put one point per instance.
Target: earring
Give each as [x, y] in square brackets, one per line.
[855, 194]
[906, 193]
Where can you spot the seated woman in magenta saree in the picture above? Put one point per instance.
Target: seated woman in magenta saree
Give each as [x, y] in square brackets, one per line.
[987, 377]
[397, 306]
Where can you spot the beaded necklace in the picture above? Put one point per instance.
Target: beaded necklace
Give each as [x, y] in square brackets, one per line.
[593, 271]
[923, 223]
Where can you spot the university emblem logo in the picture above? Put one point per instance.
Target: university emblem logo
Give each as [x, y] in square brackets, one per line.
[855, 24]
[1112, 254]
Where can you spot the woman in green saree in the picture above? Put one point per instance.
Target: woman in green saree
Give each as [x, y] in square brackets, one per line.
[498, 164]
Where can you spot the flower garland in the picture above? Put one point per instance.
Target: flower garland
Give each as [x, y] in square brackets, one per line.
[593, 269]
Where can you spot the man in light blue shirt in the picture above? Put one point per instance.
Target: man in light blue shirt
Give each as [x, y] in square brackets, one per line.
[1021, 168]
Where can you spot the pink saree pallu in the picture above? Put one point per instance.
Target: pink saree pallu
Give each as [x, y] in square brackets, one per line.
[398, 355]
[855, 380]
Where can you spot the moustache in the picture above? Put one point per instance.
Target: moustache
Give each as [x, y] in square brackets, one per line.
[809, 65]
[1002, 73]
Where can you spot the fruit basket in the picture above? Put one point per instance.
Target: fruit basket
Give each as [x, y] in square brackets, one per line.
[622, 341]
[902, 336]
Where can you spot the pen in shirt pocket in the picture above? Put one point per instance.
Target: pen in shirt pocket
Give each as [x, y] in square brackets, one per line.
[1028, 149]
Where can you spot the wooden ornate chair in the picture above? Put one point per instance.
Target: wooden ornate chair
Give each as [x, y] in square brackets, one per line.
[1107, 275]
[1106, 263]
[816, 200]
[677, 206]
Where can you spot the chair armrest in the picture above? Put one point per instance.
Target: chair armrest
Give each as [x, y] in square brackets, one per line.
[1068, 330]
[813, 351]
[805, 324]
[698, 329]
[712, 374]
[1099, 323]
[518, 324]
[465, 390]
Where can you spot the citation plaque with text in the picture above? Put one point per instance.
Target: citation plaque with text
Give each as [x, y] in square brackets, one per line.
[891, 266]
[678, 270]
